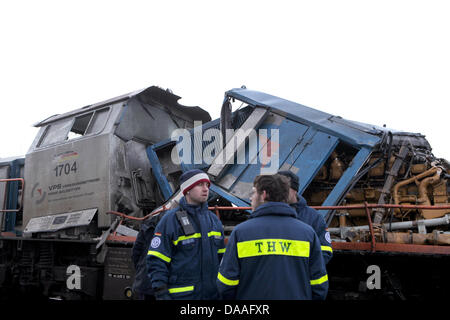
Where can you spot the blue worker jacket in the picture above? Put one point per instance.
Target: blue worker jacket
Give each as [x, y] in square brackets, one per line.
[142, 284]
[311, 217]
[271, 256]
[188, 265]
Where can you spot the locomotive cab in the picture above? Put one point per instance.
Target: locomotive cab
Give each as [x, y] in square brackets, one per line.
[92, 160]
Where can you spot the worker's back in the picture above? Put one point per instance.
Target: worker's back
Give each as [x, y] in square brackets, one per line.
[273, 256]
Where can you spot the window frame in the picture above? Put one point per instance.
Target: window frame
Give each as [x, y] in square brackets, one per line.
[72, 122]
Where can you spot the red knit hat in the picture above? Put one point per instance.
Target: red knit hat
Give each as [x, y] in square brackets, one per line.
[191, 178]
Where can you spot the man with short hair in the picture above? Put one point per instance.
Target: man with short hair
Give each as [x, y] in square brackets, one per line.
[188, 244]
[309, 215]
[273, 255]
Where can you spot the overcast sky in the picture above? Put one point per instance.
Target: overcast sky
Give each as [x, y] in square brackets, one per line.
[378, 62]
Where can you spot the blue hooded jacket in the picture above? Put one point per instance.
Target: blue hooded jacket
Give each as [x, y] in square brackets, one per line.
[311, 217]
[188, 265]
[273, 256]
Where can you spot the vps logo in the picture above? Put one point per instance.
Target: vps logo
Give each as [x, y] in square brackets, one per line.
[38, 194]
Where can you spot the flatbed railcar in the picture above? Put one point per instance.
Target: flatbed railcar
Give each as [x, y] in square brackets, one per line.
[73, 206]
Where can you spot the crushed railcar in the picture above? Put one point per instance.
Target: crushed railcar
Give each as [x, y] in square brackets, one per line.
[73, 206]
[382, 192]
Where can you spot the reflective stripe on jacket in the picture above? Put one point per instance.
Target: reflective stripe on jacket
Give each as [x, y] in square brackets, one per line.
[273, 255]
[188, 265]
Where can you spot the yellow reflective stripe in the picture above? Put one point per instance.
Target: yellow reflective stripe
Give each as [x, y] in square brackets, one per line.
[195, 235]
[326, 248]
[226, 281]
[262, 247]
[320, 280]
[221, 250]
[182, 289]
[159, 255]
[214, 233]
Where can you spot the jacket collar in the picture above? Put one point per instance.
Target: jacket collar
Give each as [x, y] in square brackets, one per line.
[300, 204]
[274, 208]
[192, 208]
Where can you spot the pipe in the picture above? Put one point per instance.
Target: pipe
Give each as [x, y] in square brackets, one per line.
[423, 197]
[342, 220]
[375, 205]
[408, 181]
[399, 225]
[435, 238]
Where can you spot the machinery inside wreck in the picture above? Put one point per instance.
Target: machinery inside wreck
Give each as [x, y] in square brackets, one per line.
[94, 174]
[402, 172]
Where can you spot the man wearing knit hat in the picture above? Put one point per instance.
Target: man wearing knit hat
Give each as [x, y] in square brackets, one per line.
[188, 244]
[309, 215]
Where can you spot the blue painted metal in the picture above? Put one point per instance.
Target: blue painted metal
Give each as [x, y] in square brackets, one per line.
[315, 152]
[247, 172]
[160, 177]
[307, 137]
[235, 200]
[351, 132]
[158, 173]
[196, 142]
[239, 170]
[164, 184]
[309, 155]
[344, 182]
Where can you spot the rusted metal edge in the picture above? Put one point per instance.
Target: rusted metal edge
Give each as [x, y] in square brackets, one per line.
[391, 247]
[349, 207]
[117, 238]
[372, 235]
[7, 234]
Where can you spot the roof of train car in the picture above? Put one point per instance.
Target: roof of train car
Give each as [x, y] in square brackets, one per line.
[152, 90]
[355, 132]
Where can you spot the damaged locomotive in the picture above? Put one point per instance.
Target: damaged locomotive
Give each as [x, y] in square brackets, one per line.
[72, 207]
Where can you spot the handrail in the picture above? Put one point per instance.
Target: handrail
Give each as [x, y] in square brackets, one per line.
[124, 216]
[349, 207]
[369, 218]
[388, 206]
[347, 245]
[21, 198]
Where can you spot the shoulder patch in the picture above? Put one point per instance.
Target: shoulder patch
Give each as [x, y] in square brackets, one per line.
[155, 242]
[327, 237]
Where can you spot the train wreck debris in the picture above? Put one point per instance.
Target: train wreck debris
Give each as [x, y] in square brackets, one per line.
[92, 175]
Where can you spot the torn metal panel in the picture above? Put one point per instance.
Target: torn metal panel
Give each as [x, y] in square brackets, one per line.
[226, 156]
[309, 155]
[352, 133]
[159, 110]
[60, 221]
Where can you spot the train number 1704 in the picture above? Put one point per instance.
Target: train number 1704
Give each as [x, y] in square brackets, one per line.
[66, 168]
